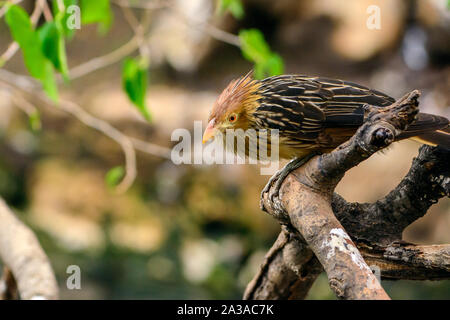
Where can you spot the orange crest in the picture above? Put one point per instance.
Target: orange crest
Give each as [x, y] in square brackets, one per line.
[239, 94]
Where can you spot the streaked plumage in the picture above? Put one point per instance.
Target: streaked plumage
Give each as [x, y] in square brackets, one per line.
[312, 114]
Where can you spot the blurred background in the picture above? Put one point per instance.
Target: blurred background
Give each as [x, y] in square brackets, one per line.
[196, 231]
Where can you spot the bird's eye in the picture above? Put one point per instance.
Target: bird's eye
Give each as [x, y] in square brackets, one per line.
[232, 118]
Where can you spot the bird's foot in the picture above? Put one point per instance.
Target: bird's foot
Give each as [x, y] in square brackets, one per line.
[278, 178]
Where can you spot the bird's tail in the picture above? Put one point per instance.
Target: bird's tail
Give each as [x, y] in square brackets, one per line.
[429, 129]
[435, 138]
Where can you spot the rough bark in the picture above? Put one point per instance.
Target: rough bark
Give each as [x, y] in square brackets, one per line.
[288, 271]
[318, 222]
[408, 261]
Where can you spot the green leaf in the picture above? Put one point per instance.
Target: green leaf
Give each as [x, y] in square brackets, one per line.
[254, 46]
[53, 46]
[49, 82]
[134, 81]
[23, 33]
[275, 64]
[234, 6]
[98, 11]
[61, 16]
[114, 176]
[34, 121]
[255, 49]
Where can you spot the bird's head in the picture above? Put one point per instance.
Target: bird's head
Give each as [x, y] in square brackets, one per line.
[234, 107]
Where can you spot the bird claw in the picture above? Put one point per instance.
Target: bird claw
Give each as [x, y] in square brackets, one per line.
[274, 185]
[268, 187]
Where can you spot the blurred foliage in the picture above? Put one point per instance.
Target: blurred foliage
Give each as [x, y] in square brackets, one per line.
[51, 35]
[194, 231]
[29, 41]
[47, 44]
[98, 11]
[114, 176]
[34, 120]
[134, 79]
[234, 6]
[256, 50]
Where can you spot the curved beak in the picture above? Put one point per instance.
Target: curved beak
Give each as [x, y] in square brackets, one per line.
[210, 131]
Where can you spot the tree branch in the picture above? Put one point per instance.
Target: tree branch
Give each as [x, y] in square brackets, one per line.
[409, 261]
[277, 280]
[128, 144]
[307, 202]
[383, 222]
[288, 271]
[21, 252]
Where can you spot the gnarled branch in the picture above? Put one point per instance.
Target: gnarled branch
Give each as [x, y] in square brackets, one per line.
[318, 222]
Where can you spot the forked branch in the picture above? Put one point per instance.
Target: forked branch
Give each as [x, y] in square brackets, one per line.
[319, 225]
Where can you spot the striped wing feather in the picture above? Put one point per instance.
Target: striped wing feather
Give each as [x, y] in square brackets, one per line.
[301, 107]
[321, 113]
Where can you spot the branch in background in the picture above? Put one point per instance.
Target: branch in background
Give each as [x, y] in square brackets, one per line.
[31, 86]
[135, 43]
[151, 148]
[139, 28]
[24, 105]
[157, 4]
[47, 11]
[129, 47]
[208, 28]
[22, 254]
[107, 129]
[127, 144]
[104, 61]
[4, 8]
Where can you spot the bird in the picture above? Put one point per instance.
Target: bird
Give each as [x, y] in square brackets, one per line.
[313, 115]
